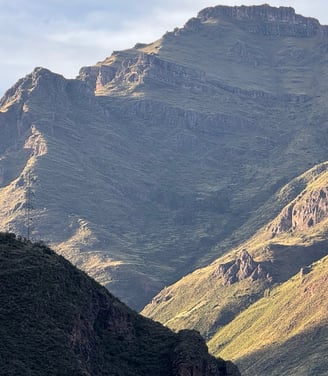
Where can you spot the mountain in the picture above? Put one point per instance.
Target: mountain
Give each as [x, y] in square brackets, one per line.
[161, 158]
[55, 320]
[263, 304]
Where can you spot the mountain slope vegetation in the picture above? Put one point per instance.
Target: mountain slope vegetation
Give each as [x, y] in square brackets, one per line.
[194, 168]
[212, 296]
[263, 304]
[160, 158]
[284, 333]
[55, 320]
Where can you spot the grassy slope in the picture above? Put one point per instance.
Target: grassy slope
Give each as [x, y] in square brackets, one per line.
[201, 301]
[224, 52]
[284, 333]
[180, 49]
[180, 165]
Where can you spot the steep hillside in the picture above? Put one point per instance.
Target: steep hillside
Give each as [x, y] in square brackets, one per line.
[212, 297]
[55, 320]
[160, 158]
[285, 332]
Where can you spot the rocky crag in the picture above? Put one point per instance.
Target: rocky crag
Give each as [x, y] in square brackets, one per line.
[307, 210]
[240, 269]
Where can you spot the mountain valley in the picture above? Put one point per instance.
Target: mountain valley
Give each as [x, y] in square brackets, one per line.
[169, 165]
[189, 176]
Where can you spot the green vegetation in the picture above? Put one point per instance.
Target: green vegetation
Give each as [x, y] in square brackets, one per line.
[168, 157]
[201, 300]
[265, 325]
[55, 320]
[285, 332]
[177, 158]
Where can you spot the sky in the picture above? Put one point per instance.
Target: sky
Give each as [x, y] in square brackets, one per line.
[64, 35]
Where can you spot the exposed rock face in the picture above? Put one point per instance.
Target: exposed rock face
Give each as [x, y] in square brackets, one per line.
[138, 69]
[309, 209]
[244, 267]
[58, 321]
[280, 21]
[189, 358]
[294, 319]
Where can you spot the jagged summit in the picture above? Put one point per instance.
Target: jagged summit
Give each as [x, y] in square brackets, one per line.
[214, 32]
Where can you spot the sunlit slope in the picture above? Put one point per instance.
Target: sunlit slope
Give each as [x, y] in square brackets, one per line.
[211, 297]
[285, 332]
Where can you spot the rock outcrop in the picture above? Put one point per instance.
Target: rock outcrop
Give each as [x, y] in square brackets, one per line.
[242, 268]
[189, 358]
[307, 210]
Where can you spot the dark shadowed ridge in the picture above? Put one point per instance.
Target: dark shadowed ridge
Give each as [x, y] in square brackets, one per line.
[55, 320]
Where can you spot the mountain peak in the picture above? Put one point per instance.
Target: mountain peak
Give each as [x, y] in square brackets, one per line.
[285, 19]
[258, 12]
[25, 85]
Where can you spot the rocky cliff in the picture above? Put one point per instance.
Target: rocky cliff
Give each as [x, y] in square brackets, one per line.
[57, 321]
[308, 209]
[282, 21]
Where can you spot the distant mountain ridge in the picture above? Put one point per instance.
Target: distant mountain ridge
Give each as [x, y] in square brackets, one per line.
[162, 157]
